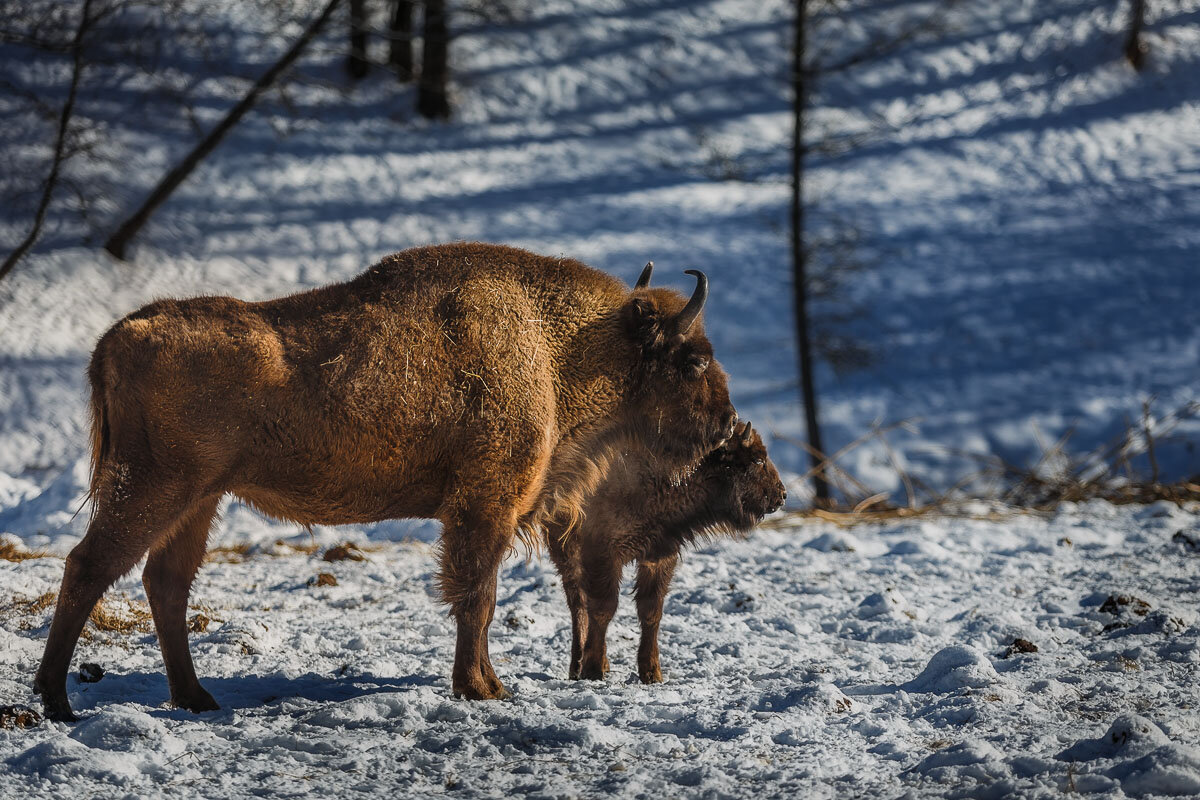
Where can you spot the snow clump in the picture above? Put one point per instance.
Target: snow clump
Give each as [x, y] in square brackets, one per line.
[953, 668]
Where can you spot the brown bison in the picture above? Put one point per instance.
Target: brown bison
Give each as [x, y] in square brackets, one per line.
[640, 513]
[477, 384]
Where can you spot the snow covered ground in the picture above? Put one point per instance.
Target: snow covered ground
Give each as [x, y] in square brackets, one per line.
[808, 660]
[1025, 205]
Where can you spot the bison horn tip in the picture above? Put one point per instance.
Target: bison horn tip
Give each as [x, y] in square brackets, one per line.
[692, 310]
[644, 279]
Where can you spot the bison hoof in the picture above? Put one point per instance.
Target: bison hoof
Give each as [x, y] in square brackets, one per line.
[55, 705]
[592, 672]
[650, 674]
[479, 692]
[58, 711]
[196, 702]
[62, 716]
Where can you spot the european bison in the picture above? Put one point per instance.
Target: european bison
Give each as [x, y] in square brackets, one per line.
[641, 513]
[478, 384]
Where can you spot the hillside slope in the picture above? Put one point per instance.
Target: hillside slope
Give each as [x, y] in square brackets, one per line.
[1023, 203]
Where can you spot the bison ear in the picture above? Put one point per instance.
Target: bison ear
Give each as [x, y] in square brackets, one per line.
[642, 308]
[644, 320]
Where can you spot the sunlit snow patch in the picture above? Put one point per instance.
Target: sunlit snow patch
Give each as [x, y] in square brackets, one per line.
[953, 668]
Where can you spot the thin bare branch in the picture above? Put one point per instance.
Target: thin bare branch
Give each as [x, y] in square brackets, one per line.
[60, 143]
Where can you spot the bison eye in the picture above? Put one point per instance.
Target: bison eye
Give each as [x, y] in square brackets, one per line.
[758, 462]
[696, 365]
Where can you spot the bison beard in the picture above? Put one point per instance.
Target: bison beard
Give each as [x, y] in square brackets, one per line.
[638, 513]
[481, 385]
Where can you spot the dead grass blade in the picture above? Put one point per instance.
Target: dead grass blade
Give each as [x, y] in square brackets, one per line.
[12, 552]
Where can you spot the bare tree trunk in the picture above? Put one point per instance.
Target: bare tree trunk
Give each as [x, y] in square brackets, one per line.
[400, 55]
[119, 241]
[1135, 48]
[804, 350]
[433, 100]
[356, 63]
[60, 143]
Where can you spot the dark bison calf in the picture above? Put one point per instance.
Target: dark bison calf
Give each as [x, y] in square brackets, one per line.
[481, 385]
[639, 513]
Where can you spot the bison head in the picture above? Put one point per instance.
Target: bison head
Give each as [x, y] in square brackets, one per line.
[681, 409]
[742, 485]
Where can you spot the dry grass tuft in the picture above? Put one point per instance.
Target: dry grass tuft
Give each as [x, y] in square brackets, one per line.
[18, 717]
[227, 555]
[11, 552]
[302, 549]
[344, 552]
[42, 602]
[113, 615]
[26, 611]
[236, 554]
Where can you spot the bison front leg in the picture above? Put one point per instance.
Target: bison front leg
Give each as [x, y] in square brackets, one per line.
[472, 548]
[601, 586]
[170, 570]
[653, 579]
[564, 552]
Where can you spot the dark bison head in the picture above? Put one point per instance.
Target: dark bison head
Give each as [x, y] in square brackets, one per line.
[742, 485]
[682, 408]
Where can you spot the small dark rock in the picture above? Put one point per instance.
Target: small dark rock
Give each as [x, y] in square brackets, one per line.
[323, 579]
[90, 673]
[1117, 604]
[516, 622]
[18, 717]
[1020, 646]
[1187, 540]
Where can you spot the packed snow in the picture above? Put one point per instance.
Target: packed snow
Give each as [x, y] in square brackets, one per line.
[883, 666]
[1023, 207]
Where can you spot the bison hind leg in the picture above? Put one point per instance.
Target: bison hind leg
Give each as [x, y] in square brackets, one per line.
[133, 511]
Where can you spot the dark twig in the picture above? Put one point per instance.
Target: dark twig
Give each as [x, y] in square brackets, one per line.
[119, 241]
[60, 143]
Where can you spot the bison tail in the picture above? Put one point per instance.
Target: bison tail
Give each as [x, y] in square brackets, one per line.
[530, 537]
[101, 430]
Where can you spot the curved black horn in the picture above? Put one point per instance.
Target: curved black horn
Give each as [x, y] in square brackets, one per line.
[692, 309]
[644, 278]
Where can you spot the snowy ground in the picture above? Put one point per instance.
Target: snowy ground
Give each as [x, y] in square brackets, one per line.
[807, 660]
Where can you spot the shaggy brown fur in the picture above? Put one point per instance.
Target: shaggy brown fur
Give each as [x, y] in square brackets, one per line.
[640, 514]
[481, 385]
